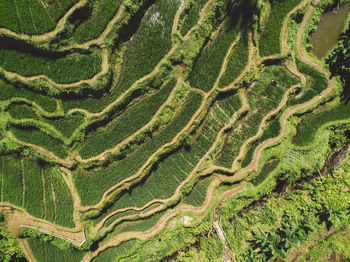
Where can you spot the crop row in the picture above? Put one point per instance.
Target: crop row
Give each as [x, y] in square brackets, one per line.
[237, 61]
[263, 97]
[307, 128]
[34, 136]
[8, 92]
[11, 186]
[175, 168]
[269, 43]
[45, 251]
[207, 67]
[125, 124]
[64, 69]
[198, 193]
[112, 253]
[91, 188]
[65, 125]
[190, 15]
[316, 83]
[149, 44]
[272, 130]
[26, 183]
[102, 12]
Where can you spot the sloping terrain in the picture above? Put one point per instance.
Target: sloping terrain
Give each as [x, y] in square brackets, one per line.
[124, 120]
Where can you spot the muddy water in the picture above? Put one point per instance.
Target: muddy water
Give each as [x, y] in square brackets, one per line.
[328, 30]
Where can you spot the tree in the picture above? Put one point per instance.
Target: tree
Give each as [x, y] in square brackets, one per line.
[339, 61]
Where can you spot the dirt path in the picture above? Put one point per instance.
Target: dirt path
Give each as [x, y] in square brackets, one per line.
[26, 250]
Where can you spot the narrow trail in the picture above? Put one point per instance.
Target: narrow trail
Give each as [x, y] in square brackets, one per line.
[26, 250]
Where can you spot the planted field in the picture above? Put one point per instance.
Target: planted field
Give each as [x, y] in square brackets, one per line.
[46, 251]
[308, 127]
[269, 43]
[61, 69]
[237, 62]
[129, 129]
[36, 137]
[91, 188]
[190, 15]
[12, 180]
[125, 124]
[32, 17]
[102, 12]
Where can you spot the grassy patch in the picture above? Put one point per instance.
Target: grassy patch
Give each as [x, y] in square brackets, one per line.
[11, 180]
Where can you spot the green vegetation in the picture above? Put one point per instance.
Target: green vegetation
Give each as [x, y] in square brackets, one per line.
[11, 180]
[9, 250]
[237, 62]
[47, 251]
[269, 43]
[36, 137]
[61, 69]
[307, 128]
[126, 124]
[102, 12]
[190, 15]
[142, 160]
[207, 66]
[91, 188]
[339, 60]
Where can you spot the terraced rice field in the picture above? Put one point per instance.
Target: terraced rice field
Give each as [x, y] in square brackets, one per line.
[123, 119]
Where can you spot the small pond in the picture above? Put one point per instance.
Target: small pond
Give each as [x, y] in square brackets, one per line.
[328, 30]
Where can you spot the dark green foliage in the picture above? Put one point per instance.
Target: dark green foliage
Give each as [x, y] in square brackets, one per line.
[237, 61]
[7, 92]
[269, 43]
[49, 196]
[8, 15]
[92, 187]
[271, 131]
[34, 136]
[207, 66]
[126, 124]
[68, 124]
[190, 15]
[198, 193]
[316, 83]
[144, 224]
[279, 224]
[65, 69]
[45, 251]
[103, 12]
[265, 171]
[62, 198]
[33, 188]
[151, 42]
[307, 129]
[9, 250]
[11, 180]
[20, 111]
[112, 253]
[339, 60]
